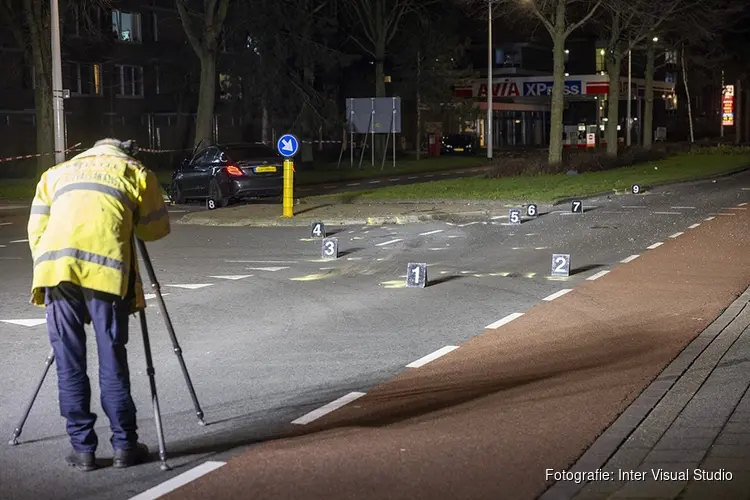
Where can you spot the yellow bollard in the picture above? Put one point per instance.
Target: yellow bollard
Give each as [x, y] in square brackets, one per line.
[288, 200]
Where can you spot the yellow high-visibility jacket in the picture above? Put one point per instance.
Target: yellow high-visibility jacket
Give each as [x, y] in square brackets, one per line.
[82, 220]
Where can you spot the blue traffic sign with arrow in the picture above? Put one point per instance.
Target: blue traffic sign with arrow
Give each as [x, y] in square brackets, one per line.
[288, 145]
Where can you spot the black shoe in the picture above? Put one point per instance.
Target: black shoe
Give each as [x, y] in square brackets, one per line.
[85, 461]
[128, 458]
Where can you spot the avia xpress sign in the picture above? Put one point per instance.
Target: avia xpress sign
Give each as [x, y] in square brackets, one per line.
[522, 88]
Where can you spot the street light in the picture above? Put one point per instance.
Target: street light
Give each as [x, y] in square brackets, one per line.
[57, 86]
[488, 128]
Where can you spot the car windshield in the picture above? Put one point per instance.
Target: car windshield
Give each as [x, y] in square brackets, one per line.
[458, 140]
[245, 153]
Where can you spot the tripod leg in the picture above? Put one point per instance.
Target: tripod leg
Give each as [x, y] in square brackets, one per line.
[19, 428]
[170, 329]
[154, 398]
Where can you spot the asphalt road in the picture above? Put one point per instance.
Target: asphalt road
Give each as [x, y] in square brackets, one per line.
[290, 333]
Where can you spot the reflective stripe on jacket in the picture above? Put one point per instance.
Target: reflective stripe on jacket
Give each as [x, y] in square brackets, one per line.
[82, 221]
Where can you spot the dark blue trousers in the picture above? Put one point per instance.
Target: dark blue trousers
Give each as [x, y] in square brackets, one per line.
[69, 308]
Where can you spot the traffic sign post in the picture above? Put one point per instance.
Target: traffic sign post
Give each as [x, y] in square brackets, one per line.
[288, 146]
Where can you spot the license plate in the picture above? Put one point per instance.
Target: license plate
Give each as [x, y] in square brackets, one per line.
[260, 170]
[459, 150]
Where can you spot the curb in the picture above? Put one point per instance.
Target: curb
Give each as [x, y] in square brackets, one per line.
[334, 221]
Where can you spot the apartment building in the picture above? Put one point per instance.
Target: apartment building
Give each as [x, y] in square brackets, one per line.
[130, 73]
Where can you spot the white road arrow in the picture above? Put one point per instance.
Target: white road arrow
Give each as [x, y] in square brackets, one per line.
[286, 145]
[233, 277]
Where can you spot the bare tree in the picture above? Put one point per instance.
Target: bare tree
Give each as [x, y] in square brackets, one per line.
[379, 21]
[34, 42]
[203, 31]
[560, 18]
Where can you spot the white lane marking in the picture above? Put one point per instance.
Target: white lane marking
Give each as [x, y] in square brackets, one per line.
[667, 213]
[556, 295]
[430, 175]
[176, 211]
[468, 224]
[446, 173]
[734, 208]
[150, 296]
[262, 261]
[436, 249]
[178, 481]
[388, 242]
[374, 182]
[24, 322]
[354, 258]
[597, 275]
[272, 269]
[499, 217]
[629, 259]
[436, 231]
[432, 356]
[740, 205]
[675, 235]
[746, 189]
[354, 184]
[324, 410]
[192, 286]
[728, 214]
[233, 277]
[694, 225]
[2, 246]
[709, 218]
[634, 206]
[505, 320]
[413, 177]
[682, 208]
[5, 223]
[329, 187]
[19, 241]
[393, 179]
[655, 245]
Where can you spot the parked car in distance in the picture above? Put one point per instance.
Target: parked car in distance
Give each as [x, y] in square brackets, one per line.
[459, 144]
[228, 172]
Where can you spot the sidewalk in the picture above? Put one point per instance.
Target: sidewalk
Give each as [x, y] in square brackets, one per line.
[696, 426]
[344, 214]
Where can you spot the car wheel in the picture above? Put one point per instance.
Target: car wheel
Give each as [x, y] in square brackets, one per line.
[176, 194]
[214, 193]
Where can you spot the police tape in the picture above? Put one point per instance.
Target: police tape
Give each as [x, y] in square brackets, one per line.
[73, 149]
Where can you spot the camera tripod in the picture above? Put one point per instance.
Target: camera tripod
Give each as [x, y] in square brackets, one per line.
[149, 366]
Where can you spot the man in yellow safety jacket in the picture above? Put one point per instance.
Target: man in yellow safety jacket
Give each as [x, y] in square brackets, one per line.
[81, 234]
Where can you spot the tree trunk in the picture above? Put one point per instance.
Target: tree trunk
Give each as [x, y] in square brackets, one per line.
[648, 111]
[37, 18]
[557, 105]
[687, 95]
[613, 103]
[206, 96]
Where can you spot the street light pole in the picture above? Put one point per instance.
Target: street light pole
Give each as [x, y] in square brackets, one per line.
[57, 86]
[630, 98]
[488, 128]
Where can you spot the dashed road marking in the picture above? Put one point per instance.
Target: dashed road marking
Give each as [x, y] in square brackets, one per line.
[634, 206]
[150, 296]
[436, 231]
[682, 208]
[19, 241]
[727, 214]
[354, 184]
[354, 258]
[393, 179]
[326, 409]
[597, 275]
[735, 208]
[556, 295]
[432, 356]
[446, 173]
[740, 205]
[710, 218]
[178, 481]
[233, 277]
[271, 269]
[629, 259]
[496, 217]
[694, 225]
[329, 187]
[503, 321]
[675, 235]
[374, 182]
[394, 284]
[25, 322]
[388, 242]
[263, 261]
[430, 175]
[312, 277]
[5, 223]
[655, 245]
[746, 189]
[190, 286]
[667, 213]
[413, 177]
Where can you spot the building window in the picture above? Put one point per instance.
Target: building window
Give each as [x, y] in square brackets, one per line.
[230, 87]
[126, 26]
[670, 57]
[601, 60]
[82, 78]
[155, 26]
[129, 81]
[157, 78]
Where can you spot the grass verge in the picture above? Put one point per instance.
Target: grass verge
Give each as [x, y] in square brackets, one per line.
[550, 188]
